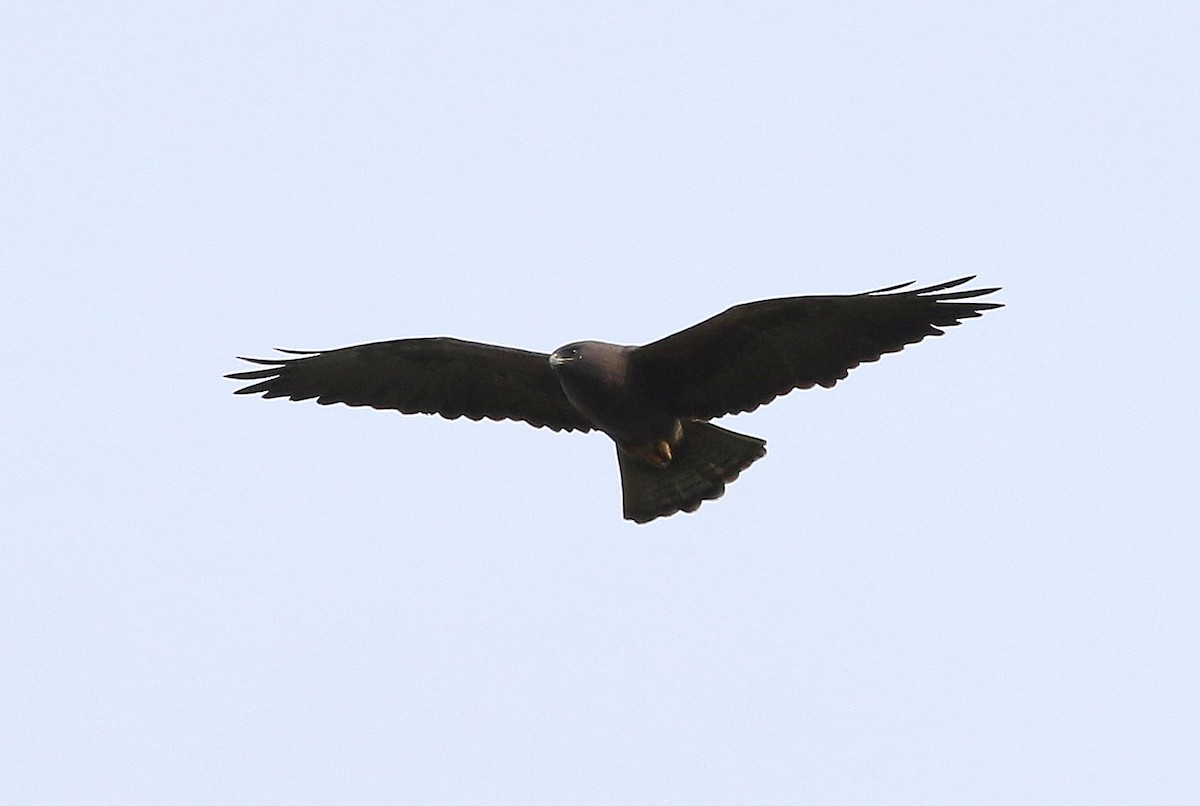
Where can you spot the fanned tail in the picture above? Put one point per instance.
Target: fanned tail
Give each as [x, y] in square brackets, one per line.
[705, 459]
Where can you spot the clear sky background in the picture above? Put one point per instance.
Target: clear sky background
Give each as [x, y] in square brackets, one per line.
[968, 574]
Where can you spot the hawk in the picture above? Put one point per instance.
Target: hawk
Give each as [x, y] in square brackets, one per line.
[654, 401]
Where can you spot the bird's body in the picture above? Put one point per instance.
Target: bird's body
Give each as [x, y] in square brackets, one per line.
[594, 377]
[654, 401]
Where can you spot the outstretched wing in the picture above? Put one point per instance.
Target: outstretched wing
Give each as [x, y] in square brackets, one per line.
[443, 376]
[745, 357]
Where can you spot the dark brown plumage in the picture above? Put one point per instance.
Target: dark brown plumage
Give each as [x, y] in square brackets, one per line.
[450, 377]
[653, 400]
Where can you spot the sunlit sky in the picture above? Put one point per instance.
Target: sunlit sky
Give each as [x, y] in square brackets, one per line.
[967, 574]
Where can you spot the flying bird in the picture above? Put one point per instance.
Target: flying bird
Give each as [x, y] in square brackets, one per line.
[654, 401]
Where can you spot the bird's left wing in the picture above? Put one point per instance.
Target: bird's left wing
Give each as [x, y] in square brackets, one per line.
[745, 357]
[445, 376]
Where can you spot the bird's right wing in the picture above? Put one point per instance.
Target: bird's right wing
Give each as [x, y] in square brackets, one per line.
[752, 353]
[443, 376]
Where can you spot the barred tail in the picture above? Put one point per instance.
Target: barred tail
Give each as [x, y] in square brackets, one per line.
[705, 459]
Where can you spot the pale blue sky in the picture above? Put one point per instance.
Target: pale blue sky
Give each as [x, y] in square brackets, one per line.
[969, 574]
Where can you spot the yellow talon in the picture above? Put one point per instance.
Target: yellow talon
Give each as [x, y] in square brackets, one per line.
[657, 453]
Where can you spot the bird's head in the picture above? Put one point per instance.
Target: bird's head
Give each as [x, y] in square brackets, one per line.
[567, 354]
[598, 360]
